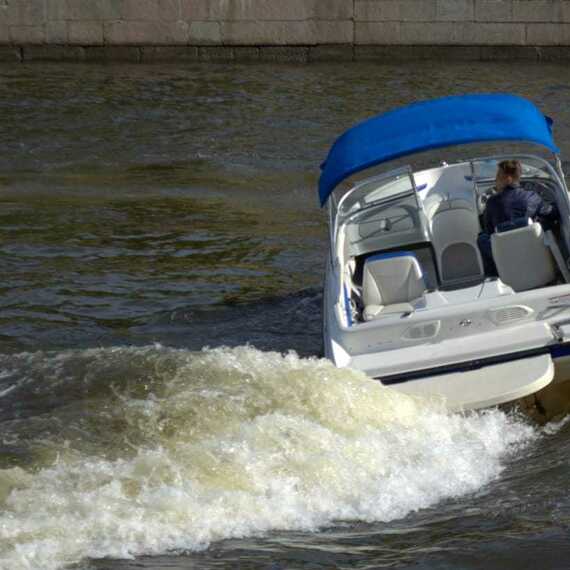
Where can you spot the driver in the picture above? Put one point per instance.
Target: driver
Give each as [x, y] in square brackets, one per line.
[509, 203]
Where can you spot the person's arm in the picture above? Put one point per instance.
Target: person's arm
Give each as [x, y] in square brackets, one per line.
[488, 226]
[539, 209]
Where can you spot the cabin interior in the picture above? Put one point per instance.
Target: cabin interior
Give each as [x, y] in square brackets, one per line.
[408, 241]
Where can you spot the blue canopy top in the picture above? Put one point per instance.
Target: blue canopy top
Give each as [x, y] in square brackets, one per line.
[433, 124]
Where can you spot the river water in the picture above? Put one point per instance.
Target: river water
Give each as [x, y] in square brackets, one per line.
[162, 403]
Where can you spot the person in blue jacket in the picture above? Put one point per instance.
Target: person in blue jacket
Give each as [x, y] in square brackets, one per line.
[509, 204]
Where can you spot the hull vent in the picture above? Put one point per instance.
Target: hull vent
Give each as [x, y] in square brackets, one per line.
[508, 315]
[423, 331]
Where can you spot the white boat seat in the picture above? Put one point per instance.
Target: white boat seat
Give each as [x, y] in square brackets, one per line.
[522, 258]
[454, 236]
[391, 283]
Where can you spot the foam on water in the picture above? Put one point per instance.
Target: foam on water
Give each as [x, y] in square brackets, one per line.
[197, 447]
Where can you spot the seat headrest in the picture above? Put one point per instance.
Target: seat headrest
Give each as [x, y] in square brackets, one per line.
[513, 224]
[394, 255]
[534, 229]
[392, 278]
[523, 260]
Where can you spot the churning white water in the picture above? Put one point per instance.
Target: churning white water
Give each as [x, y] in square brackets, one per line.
[230, 443]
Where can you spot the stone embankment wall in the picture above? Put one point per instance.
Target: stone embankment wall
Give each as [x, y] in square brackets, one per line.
[145, 30]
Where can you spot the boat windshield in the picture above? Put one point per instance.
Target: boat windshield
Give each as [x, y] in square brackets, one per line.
[376, 190]
[533, 167]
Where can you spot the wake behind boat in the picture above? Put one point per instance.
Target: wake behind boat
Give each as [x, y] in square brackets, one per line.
[407, 299]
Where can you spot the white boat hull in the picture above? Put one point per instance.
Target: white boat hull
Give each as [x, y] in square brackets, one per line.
[515, 365]
[486, 386]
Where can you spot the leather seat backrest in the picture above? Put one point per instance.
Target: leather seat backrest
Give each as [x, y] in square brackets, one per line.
[454, 237]
[522, 258]
[392, 278]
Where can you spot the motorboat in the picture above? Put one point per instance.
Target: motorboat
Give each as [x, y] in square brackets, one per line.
[406, 297]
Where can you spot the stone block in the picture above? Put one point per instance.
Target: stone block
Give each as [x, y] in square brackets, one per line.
[334, 32]
[145, 33]
[462, 33]
[565, 12]
[204, 33]
[169, 53]
[493, 10]
[56, 10]
[537, 10]
[377, 11]
[200, 10]
[488, 34]
[395, 10]
[415, 33]
[113, 53]
[22, 35]
[548, 34]
[292, 10]
[284, 54]
[268, 10]
[56, 32]
[381, 33]
[146, 10]
[215, 53]
[333, 9]
[25, 12]
[150, 10]
[86, 33]
[331, 53]
[265, 10]
[455, 10]
[246, 53]
[169, 10]
[268, 33]
[10, 53]
[4, 33]
[84, 9]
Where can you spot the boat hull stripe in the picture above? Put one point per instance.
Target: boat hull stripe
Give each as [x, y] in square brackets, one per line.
[555, 351]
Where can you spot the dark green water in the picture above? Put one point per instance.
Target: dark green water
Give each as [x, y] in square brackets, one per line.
[149, 211]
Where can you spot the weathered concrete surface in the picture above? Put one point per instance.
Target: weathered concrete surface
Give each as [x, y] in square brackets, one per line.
[291, 30]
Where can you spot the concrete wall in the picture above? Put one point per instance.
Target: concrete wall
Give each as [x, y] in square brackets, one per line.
[228, 28]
